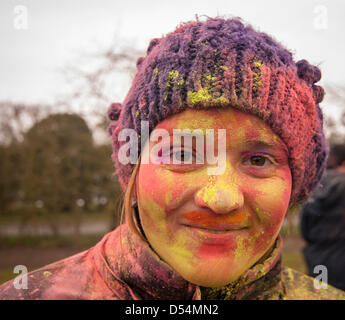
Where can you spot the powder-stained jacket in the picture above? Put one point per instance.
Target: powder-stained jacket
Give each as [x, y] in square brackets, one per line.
[123, 267]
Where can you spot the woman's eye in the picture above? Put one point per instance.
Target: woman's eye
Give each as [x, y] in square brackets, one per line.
[183, 156]
[259, 161]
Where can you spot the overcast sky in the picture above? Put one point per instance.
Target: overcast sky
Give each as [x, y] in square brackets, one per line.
[59, 31]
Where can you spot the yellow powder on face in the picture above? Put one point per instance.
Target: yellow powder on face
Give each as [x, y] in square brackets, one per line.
[152, 215]
[209, 194]
[249, 123]
[264, 217]
[265, 135]
[177, 249]
[192, 123]
[273, 188]
[218, 188]
[268, 136]
[168, 197]
[174, 247]
[182, 249]
[165, 177]
[218, 270]
[241, 132]
[245, 247]
[182, 245]
[241, 249]
[252, 239]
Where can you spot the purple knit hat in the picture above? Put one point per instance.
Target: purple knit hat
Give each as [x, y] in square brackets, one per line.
[222, 63]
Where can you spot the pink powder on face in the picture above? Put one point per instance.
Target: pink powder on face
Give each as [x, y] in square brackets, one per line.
[192, 218]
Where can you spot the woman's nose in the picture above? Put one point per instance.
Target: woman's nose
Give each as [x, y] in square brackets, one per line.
[220, 196]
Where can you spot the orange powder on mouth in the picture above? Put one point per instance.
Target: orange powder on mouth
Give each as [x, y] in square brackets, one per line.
[197, 217]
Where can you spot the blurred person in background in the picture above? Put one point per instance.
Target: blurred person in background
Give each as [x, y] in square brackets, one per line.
[323, 221]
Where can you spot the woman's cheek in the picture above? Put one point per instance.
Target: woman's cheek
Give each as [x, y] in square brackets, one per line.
[270, 199]
[152, 215]
[275, 198]
[173, 244]
[159, 190]
[154, 181]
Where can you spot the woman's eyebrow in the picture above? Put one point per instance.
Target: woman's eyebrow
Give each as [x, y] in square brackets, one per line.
[265, 144]
[179, 135]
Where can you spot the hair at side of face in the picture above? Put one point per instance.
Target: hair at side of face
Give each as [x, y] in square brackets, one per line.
[127, 208]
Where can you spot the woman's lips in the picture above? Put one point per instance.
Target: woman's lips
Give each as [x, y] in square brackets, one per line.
[215, 237]
[215, 223]
[216, 231]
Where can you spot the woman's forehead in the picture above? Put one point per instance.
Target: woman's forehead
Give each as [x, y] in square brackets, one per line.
[213, 118]
[240, 127]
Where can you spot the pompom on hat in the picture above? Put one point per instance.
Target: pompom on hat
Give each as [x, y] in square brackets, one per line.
[224, 63]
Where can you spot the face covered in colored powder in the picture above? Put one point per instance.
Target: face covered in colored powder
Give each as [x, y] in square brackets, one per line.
[211, 228]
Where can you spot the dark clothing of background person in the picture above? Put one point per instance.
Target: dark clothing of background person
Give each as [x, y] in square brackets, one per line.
[323, 228]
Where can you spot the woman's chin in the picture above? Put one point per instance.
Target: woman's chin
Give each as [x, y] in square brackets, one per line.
[218, 277]
[209, 280]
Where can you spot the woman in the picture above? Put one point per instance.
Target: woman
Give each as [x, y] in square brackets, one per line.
[203, 214]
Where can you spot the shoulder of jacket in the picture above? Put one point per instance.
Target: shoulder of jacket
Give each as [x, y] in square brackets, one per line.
[36, 283]
[299, 286]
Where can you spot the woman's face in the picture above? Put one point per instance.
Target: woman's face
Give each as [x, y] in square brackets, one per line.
[211, 228]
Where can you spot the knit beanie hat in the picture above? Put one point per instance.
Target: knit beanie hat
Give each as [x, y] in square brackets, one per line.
[224, 63]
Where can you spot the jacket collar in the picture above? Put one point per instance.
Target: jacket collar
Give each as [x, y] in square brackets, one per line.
[132, 270]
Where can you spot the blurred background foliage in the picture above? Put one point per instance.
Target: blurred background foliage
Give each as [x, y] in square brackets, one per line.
[55, 170]
[55, 160]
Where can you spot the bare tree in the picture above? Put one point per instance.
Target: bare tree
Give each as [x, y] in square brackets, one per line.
[16, 118]
[97, 79]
